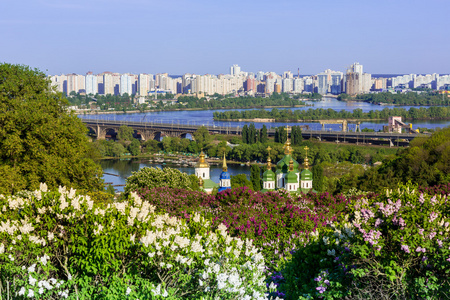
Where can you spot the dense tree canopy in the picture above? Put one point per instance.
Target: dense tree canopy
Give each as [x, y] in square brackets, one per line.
[40, 141]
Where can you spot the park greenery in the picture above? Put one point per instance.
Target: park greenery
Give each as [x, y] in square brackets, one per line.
[369, 232]
[284, 115]
[40, 141]
[409, 98]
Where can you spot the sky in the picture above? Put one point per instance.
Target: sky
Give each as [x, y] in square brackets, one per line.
[208, 36]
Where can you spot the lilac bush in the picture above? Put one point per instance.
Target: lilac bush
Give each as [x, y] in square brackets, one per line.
[395, 245]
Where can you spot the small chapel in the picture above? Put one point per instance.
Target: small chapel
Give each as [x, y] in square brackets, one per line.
[287, 175]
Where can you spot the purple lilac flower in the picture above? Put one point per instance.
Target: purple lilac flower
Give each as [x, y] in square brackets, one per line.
[378, 222]
[421, 199]
[327, 282]
[319, 278]
[433, 216]
[420, 249]
[321, 289]
[405, 248]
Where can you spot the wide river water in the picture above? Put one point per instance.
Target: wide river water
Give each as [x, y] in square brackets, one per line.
[205, 117]
[123, 168]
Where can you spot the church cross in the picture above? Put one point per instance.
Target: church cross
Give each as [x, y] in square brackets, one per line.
[306, 149]
[288, 128]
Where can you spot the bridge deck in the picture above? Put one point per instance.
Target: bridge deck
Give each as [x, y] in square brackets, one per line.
[358, 137]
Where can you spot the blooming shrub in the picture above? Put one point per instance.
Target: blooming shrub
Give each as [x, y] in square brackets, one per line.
[276, 222]
[155, 177]
[58, 244]
[394, 246]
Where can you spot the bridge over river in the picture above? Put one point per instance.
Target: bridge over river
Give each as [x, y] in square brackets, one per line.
[148, 130]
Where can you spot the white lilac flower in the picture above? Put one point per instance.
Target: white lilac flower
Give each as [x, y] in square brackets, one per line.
[32, 281]
[41, 291]
[43, 187]
[22, 291]
[11, 258]
[32, 268]
[128, 291]
[30, 293]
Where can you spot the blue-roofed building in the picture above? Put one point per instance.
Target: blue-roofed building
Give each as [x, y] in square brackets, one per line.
[225, 177]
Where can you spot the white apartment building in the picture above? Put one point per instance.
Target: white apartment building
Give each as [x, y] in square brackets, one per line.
[126, 85]
[91, 84]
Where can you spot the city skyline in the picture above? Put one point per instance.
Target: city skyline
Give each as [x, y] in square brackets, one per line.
[239, 82]
[204, 37]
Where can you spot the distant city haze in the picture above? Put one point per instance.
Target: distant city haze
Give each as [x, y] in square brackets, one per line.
[206, 37]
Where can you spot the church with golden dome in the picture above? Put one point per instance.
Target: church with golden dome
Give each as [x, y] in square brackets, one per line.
[287, 175]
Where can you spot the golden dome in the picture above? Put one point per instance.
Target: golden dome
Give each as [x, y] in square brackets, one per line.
[202, 163]
[287, 147]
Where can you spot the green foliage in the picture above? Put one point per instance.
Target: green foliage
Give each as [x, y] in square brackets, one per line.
[285, 115]
[110, 190]
[202, 137]
[426, 162]
[317, 172]
[58, 244]
[391, 246]
[39, 139]
[240, 180]
[155, 177]
[255, 177]
[409, 98]
[263, 137]
[125, 133]
[134, 147]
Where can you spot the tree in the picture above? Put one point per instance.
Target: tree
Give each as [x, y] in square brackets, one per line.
[317, 172]
[245, 139]
[125, 133]
[255, 177]
[40, 140]
[252, 135]
[240, 180]
[154, 177]
[201, 136]
[263, 137]
[134, 147]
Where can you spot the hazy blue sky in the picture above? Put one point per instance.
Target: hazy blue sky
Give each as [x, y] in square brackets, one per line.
[207, 36]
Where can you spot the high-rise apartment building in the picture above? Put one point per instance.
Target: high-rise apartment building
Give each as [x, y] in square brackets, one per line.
[126, 85]
[143, 84]
[357, 82]
[108, 84]
[91, 84]
[235, 70]
[287, 85]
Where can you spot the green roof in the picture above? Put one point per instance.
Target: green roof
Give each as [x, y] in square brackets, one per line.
[306, 175]
[283, 164]
[268, 176]
[209, 184]
[291, 177]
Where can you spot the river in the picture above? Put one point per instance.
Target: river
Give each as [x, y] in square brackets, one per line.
[205, 117]
[123, 168]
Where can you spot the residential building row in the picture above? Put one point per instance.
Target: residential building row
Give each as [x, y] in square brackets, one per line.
[353, 81]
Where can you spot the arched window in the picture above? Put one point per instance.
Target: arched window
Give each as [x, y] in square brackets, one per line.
[203, 175]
